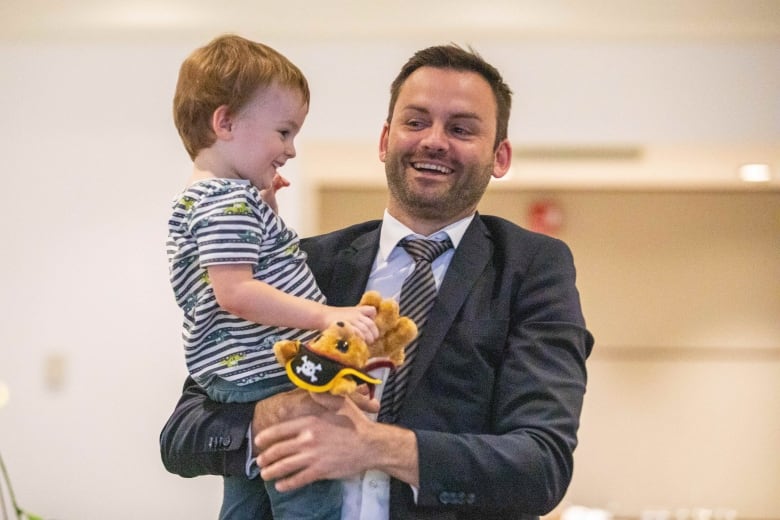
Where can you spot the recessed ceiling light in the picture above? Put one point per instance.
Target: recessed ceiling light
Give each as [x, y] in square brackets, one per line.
[755, 172]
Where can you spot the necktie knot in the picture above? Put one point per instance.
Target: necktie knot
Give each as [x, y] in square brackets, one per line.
[421, 249]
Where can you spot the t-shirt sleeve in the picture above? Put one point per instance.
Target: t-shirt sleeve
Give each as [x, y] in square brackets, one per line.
[229, 227]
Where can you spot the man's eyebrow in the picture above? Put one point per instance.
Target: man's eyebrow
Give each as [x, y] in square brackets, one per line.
[415, 108]
[455, 115]
[466, 115]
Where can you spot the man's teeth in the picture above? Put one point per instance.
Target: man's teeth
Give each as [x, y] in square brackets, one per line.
[429, 166]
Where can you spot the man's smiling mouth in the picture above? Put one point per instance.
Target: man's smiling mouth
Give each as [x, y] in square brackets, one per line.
[431, 168]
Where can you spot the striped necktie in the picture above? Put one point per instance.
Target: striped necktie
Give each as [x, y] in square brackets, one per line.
[417, 295]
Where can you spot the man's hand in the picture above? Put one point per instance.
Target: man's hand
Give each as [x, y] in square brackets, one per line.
[282, 407]
[299, 403]
[336, 443]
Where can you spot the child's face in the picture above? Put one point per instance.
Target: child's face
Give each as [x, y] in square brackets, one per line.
[263, 134]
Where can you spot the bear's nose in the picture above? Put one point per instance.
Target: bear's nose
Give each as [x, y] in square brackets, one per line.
[342, 346]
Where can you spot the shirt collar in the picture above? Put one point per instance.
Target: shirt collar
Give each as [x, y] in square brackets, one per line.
[393, 231]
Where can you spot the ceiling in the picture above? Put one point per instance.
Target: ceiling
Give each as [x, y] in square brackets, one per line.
[413, 21]
[32, 20]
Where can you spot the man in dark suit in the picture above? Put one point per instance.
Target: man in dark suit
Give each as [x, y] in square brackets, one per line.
[489, 421]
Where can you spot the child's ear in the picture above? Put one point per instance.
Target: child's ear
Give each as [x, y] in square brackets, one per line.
[222, 123]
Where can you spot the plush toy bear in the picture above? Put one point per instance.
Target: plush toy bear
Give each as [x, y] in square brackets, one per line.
[338, 359]
[395, 331]
[332, 362]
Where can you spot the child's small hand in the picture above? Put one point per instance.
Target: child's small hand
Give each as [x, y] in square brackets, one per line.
[365, 325]
[269, 194]
[280, 182]
[361, 319]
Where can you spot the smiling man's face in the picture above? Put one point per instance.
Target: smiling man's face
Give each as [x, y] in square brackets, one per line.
[438, 147]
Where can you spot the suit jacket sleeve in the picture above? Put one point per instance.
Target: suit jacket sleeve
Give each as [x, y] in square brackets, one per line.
[205, 438]
[497, 412]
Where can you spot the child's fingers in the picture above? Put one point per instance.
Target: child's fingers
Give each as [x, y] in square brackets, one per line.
[280, 182]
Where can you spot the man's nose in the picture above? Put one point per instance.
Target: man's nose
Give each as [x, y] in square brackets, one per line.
[435, 138]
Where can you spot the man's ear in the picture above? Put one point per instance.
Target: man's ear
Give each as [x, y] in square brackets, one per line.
[222, 123]
[383, 142]
[502, 159]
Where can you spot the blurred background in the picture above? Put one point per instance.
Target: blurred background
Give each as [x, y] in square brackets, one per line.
[631, 126]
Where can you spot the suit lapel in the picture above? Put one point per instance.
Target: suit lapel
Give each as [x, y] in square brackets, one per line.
[471, 257]
[352, 267]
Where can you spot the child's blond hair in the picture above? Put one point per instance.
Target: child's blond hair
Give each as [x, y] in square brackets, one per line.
[228, 71]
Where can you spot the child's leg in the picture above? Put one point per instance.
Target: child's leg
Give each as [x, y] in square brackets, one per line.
[318, 501]
[244, 499]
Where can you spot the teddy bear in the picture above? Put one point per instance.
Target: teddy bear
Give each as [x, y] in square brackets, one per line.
[395, 331]
[338, 359]
[332, 362]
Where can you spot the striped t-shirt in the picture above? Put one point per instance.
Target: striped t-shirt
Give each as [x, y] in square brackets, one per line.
[224, 221]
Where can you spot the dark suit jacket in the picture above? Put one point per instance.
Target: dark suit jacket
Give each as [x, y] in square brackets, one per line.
[495, 392]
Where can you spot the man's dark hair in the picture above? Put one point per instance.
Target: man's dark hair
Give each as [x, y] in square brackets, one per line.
[456, 58]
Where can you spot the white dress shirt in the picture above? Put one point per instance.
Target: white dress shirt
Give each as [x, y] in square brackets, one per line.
[367, 496]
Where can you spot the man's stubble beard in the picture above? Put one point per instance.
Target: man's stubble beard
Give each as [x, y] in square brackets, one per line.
[460, 199]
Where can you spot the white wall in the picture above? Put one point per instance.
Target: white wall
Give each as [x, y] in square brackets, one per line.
[91, 160]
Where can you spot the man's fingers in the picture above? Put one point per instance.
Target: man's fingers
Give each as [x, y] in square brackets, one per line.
[295, 480]
[360, 398]
[363, 400]
[285, 458]
[279, 432]
[328, 401]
